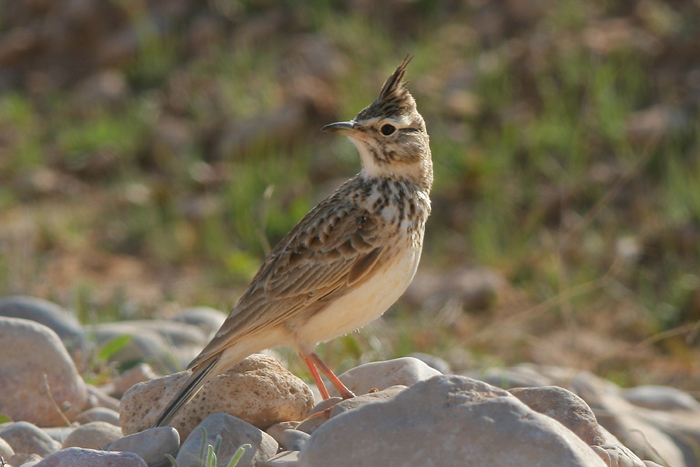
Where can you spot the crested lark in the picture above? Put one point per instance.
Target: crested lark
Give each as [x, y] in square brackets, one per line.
[347, 261]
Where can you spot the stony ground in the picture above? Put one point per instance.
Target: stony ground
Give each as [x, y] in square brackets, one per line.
[408, 411]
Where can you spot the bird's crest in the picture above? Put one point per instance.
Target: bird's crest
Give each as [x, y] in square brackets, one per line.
[394, 100]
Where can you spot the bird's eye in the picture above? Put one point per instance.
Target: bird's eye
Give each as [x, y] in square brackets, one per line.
[387, 129]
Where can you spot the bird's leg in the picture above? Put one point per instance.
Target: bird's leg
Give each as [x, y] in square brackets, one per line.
[345, 393]
[317, 378]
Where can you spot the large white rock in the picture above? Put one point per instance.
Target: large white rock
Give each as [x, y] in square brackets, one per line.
[34, 359]
[446, 420]
[381, 375]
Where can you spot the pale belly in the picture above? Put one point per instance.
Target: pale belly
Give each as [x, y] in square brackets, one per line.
[362, 305]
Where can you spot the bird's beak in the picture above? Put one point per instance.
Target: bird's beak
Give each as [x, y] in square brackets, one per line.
[343, 128]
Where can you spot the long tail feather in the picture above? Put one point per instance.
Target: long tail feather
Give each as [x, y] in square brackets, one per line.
[186, 393]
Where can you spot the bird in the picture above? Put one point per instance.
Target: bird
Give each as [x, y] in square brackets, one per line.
[347, 261]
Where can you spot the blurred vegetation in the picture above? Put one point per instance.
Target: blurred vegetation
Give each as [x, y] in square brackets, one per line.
[152, 153]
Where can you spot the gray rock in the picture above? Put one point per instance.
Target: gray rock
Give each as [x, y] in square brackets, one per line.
[25, 438]
[207, 319]
[146, 345]
[293, 440]
[49, 314]
[661, 398]
[277, 429]
[151, 445]
[178, 334]
[359, 401]
[318, 415]
[381, 375]
[32, 357]
[93, 435]
[79, 457]
[6, 450]
[258, 390]
[446, 420]
[99, 414]
[59, 433]
[234, 433]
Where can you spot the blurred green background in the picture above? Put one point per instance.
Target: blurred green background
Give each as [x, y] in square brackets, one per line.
[152, 151]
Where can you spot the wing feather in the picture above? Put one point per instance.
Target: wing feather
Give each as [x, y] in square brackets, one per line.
[330, 251]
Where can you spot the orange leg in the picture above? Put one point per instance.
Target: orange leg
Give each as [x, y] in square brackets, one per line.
[317, 378]
[342, 389]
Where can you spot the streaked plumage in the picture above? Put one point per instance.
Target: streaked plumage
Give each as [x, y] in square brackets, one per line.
[346, 261]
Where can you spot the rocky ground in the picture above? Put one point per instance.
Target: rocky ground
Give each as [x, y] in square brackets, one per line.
[409, 411]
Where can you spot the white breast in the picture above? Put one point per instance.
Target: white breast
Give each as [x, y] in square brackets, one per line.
[362, 305]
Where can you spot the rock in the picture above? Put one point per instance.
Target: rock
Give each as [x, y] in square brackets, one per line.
[381, 375]
[59, 433]
[661, 398]
[258, 390]
[151, 445]
[432, 361]
[359, 401]
[97, 398]
[283, 459]
[507, 378]
[49, 314]
[6, 450]
[138, 374]
[93, 435]
[24, 459]
[25, 438]
[178, 334]
[234, 433]
[294, 440]
[98, 414]
[565, 407]
[315, 417]
[30, 464]
[147, 344]
[638, 428]
[78, 457]
[277, 429]
[207, 319]
[32, 358]
[617, 456]
[446, 420]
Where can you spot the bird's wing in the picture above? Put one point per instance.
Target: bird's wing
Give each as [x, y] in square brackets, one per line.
[328, 253]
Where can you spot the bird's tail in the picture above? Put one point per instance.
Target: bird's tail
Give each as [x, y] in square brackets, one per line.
[185, 393]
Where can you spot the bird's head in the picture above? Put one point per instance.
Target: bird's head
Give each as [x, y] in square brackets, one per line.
[390, 134]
